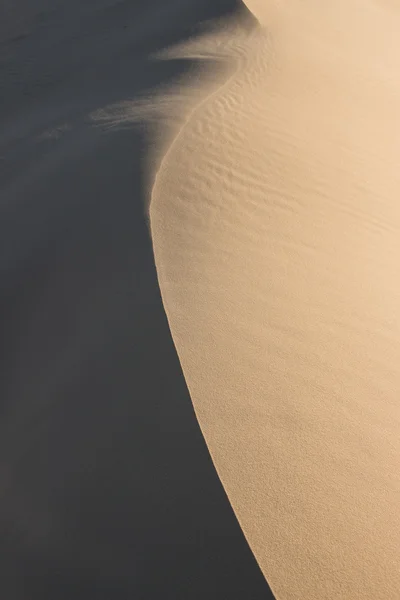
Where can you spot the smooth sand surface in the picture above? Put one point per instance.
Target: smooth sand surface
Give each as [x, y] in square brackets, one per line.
[107, 490]
[276, 228]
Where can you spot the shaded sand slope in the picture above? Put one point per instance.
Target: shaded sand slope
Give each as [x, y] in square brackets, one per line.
[107, 488]
[276, 226]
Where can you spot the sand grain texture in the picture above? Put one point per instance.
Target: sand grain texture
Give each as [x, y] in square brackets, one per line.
[275, 219]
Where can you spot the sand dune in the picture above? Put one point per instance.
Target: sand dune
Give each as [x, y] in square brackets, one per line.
[276, 228]
[272, 139]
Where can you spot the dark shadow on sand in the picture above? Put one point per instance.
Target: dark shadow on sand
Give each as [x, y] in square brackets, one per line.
[107, 489]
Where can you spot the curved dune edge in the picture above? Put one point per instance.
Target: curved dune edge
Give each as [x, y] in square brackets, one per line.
[275, 229]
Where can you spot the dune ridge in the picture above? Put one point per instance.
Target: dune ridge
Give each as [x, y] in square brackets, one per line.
[275, 228]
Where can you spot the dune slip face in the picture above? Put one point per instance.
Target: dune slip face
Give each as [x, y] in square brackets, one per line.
[107, 489]
[275, 219]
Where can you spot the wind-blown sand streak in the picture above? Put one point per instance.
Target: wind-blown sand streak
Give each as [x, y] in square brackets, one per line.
[276, 230]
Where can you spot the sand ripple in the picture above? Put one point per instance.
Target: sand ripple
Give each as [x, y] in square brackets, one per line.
[276, 227]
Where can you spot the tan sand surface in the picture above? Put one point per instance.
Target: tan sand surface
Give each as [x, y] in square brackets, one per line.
[275, 218]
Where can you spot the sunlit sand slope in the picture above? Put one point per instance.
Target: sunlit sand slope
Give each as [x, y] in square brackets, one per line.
[276, 228]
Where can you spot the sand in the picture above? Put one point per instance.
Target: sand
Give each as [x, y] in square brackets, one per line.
[260, 142]
[275, 219]
[107, 489]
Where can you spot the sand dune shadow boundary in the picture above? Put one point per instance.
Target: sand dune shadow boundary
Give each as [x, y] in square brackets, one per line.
[108, 489]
